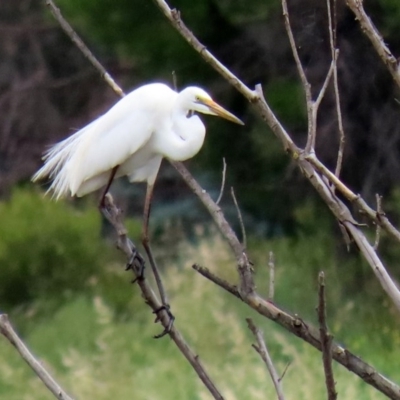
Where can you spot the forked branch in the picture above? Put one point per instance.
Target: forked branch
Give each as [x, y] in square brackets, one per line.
[309, 334]
[261, 349]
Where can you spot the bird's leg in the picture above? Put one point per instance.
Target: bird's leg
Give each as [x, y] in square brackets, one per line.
[156, 273]
[110, 179]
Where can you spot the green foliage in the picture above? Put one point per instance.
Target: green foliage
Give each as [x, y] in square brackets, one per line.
[49, 251]
[111, 358]
[390, 15]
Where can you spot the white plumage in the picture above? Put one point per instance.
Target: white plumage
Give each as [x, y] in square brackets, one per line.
[148, 124]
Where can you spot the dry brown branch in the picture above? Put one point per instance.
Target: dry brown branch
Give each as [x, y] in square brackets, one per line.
[135, 261]
[262, 350]
[309, 334]
[375, 37]
[8, 332]
[326, 339]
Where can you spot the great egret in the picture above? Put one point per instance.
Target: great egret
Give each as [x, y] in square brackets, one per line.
[131, 139]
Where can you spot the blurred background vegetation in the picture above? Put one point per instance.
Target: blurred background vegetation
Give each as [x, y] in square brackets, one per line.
[62, 281]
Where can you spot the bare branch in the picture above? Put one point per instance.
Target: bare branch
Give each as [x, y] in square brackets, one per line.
[244, 267]
[376, 264]
[375, 37]
[262, 350]
[323, 89]
[326, 339]
[216, 279]
[8, 332]
[379, 212]
[342, 136]
[285, 370]
[271, 268]
[113, 215]
[221, 192]
[309, 334]
[243, 229]
[82, 47]
[335, 55]
[364, 208]
[306, 85]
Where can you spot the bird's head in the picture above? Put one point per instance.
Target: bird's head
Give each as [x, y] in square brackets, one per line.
[198, 100]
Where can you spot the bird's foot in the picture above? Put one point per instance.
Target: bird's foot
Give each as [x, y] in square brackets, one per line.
[167, 329]
[138, 269]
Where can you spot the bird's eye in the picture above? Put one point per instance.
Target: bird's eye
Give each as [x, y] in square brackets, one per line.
[197, 98]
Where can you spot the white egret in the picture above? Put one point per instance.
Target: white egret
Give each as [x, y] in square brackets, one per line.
[131, 139]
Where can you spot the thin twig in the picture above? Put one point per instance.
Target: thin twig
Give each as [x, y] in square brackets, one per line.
[8, 332]
[342, 136]
[326, 339]
[239, 213]
[335, 55]
[379, 212]
[221, 192]
[306, 85]
[271, 268]
[284, 371]
[244, 267]
[322, 92]
[262, 350]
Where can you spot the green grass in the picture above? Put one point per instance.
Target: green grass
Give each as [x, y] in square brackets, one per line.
[97, 352]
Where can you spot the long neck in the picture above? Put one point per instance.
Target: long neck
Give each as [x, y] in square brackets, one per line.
[186, 136]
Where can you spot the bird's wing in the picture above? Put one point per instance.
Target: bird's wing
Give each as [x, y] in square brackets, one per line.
[112, 139]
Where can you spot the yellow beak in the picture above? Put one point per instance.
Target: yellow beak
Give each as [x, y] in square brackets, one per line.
[216, 109]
